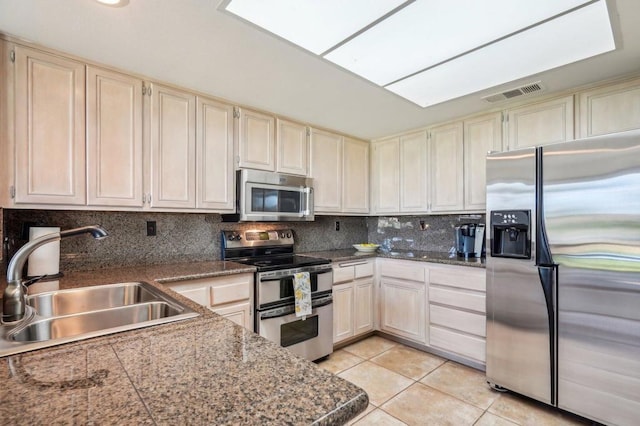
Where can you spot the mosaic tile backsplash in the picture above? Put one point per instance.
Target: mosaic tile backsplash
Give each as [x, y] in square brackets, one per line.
[196, 237]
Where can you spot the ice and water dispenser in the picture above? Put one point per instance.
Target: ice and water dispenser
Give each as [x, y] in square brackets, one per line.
[510, 233]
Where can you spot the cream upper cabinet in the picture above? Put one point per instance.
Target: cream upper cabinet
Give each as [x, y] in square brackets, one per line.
[256, 141]
[400, 174]
[326, 171]
[386, 176]
[114, 139]
[540, 124]
[609, 109]
[414, 172]
[481, 135]
[292, 148]
[355, 172]
[49, 129]
[214, 155]
[446, 159]
[173, 148]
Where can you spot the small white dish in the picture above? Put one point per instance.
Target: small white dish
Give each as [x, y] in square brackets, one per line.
[366, 248]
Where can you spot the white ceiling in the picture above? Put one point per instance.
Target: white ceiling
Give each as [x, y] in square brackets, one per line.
[192, 44]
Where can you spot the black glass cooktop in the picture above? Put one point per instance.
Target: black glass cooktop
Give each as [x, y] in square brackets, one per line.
[271, 263]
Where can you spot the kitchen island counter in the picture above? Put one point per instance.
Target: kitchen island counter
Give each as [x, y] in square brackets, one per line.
[205, 370]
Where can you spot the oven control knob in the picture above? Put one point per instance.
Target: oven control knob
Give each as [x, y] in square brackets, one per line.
[288, 234]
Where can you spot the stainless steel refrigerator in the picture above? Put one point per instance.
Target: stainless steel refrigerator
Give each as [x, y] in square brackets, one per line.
[563, 275]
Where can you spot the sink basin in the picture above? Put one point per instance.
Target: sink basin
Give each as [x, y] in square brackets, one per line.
[65, 302]
[95, 321]
[70, 315]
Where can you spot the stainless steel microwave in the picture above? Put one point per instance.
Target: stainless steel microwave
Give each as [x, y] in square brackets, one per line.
[270, 197]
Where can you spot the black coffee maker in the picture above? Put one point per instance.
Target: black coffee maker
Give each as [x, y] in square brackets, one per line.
[470, 240]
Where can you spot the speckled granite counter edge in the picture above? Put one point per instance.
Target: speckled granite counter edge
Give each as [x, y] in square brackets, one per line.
[346, 255]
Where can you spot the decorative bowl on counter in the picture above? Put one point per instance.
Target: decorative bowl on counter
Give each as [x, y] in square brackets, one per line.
[366, 247]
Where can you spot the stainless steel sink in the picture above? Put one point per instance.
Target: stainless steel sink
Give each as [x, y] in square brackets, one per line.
[70, 315]
[86, 299]
[113, 319]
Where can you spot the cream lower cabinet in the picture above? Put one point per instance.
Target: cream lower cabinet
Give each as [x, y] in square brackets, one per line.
[353, 299]
[403, 298]
[230, 296]
[457, 320]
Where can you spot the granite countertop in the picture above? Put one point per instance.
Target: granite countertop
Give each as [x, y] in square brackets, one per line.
[344, 255]
[202, 370]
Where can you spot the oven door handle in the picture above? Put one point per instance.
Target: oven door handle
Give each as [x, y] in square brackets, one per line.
[291, 309]
[279, 277]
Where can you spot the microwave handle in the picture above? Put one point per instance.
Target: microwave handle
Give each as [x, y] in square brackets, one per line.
[308, 200]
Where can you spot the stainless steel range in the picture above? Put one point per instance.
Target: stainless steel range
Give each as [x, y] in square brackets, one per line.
[271, 252]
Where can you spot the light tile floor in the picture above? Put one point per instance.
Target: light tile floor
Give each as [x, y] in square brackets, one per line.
[410, 387]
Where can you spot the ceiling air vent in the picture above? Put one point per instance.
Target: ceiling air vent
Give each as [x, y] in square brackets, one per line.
[514, 93]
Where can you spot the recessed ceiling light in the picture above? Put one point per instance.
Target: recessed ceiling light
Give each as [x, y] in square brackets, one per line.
[432, 51]
[314, 25]
[114, 3]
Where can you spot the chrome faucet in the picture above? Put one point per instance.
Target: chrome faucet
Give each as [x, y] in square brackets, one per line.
[14, 297]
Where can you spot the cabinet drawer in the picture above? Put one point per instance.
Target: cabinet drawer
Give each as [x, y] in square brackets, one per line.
[459, 320]
[216, 290]
[200, 295]
[343, 274]
[229, 292]
[468, 346]
[364, 270]
[458, 298]
[467, 277]
[403, 272]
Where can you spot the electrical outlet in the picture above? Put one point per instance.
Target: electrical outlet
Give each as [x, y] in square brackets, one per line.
[151, 228]
[337, 225]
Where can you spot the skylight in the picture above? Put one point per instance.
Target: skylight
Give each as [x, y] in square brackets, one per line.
[432, 51]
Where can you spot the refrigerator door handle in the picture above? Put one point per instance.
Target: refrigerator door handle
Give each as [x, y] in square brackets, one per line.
[548, 280]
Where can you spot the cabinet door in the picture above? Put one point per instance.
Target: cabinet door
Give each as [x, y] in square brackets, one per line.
[343, 310]
[239, 313]
[403, 308]
[114, 139]
[256, 144]
[292, 147]
[173, 148]
[386, 176]
[326, 171]
[414, 173]
[446, 160]
[363, 302]
[355, 184]
[481, 135]
[540, 124]
[49, 129]
[610, 109]
[214, 156]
